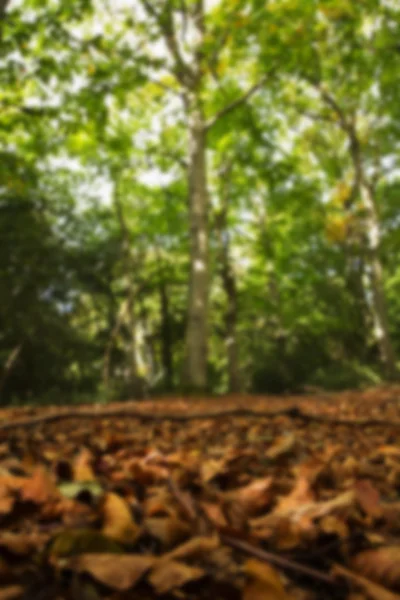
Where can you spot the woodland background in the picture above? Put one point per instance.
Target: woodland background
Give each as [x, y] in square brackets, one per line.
[198, 195]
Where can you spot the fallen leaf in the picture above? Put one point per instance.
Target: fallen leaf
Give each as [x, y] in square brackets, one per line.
[11, 592]
[283, 445]
[168, 575]
[77, 489]
[118, 522]
[82, 467]
[168, 530]
[264, 582]
[82, 541]
[117, 571]
[39, 488]
[211, 468]
[373, 590]
[382, 565]
[22, 544]
[196, 547]
[253, 497]
[301, 494]
[368, 498]
[7, 500]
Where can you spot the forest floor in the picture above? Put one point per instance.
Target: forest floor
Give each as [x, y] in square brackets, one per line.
[246, 497]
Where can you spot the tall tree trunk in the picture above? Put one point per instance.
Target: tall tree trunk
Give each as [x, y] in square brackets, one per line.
[372, 233]
[166, 336]
[365, 188]
[378, 300]
[229, 284]
[127, 313]
[9, 365]
[195, 367]
[187, 49]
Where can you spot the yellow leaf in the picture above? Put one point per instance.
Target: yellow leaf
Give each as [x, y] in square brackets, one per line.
[82, 467]
[118, 523]
[263, 583]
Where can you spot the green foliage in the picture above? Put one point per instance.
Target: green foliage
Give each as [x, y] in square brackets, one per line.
[94, 255]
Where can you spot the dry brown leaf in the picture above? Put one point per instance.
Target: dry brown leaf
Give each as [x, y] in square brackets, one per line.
[82, 466]
[314, 510]
[381, 565]
[368, 498]
[117, 571]
[118, 522]
[388, 450]
[7, 500]
[211, 468]
[264, 582]
[168, 575]
[331, 524]
[301, 494]
[22, 543]
[160, 504]
[253, 497]
[373, 590]
[214, 513]
[283, 445]
[11, 592]
[196, 547]
[146, 474]
[168, 530]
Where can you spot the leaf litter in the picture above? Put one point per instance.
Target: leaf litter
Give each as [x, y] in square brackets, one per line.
[262, 498]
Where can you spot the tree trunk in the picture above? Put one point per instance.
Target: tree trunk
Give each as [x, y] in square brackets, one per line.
[378, 300]
[195, 366]
[229, 285]
[166, 336]
[10, 363]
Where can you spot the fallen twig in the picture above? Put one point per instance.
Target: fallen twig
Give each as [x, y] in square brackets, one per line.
[275, 559]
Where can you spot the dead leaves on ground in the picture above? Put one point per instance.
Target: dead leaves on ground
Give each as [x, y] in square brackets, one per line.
[103, 508]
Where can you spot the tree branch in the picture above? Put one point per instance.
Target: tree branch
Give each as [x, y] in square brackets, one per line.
[165, 24]
[3, 7]
[238, 102]
[314, 116]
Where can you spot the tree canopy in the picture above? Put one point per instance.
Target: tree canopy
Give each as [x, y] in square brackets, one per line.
[198, 195]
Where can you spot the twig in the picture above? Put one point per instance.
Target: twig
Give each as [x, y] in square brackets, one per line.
[241, 100]
[276, 560]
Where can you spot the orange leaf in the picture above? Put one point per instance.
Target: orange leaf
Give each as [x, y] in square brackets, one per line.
[40, 488]
[301, 494]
